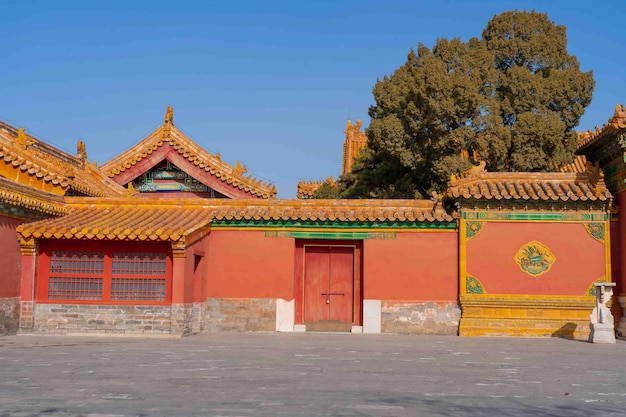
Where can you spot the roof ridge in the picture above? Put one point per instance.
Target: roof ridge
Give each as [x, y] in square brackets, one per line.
[194, 153]
[615, 123]
[237, 171]
[117, 162]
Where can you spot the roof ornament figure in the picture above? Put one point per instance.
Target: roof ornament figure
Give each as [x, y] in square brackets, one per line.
[240, 169]
[81, 151]
[169, 116]
[596, 177]
[23, 141]
[619, 117]
[475, 172]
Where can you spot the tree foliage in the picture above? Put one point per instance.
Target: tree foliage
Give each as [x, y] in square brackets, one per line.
[511, 98]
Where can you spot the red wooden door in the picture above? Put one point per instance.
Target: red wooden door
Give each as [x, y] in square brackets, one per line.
[329, 284]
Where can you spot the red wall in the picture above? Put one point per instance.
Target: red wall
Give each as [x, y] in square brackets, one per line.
[580, 259]
[195, 275]
[413, 266]
[10, 258]
[246, 264]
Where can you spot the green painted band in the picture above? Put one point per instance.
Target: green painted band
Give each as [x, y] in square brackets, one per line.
[335, 224]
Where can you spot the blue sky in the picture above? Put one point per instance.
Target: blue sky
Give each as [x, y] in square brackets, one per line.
[267, 83]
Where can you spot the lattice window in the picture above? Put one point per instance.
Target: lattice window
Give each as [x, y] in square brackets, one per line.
[138, 289]
[142, 276]
[77, 262]
[105, 276]
[139, 263]
[64, 284]
[74, 288]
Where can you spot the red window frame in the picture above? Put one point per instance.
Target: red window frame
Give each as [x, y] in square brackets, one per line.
[84, 277]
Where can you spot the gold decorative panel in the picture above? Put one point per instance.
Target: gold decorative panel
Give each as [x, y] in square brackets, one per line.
[534, 258]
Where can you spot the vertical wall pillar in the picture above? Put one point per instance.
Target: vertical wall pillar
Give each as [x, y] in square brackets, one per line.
[621, 284]
[180, 323]
[30, 250]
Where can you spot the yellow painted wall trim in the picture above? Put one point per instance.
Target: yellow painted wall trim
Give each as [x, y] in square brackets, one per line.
[527, 300]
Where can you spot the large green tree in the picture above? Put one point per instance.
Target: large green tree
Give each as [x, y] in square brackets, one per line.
[511, 98]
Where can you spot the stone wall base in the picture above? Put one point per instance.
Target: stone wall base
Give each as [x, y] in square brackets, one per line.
[187, 318]
[240, 314]
[9, 315]
[106, 319]
[621, 322]
[436, 318]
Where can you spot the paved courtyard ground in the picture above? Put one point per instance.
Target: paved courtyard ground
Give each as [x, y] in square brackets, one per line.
[266, 374]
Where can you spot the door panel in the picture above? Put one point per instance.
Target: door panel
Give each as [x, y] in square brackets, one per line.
[316, 282]
[329, 284]
[341, 284]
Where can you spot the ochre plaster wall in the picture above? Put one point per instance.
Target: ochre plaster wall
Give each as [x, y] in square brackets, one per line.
[246, 264]
[413, 266]
[579, 258]
[10, 258]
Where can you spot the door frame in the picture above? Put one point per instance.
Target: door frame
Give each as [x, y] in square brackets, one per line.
[357, 302]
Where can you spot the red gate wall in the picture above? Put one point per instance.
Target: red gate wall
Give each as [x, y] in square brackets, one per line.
[246, 264]
[418, 266]
[10, 259]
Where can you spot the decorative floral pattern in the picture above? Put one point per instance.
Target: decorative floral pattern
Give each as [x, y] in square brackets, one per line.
[473, 286]
[473, 229]
[534, 258]
[596, 230]
[592, 288]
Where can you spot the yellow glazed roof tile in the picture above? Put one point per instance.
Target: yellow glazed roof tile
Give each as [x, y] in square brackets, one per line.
[593, 139]
[578, 165]
[164, 219]
[18, 195]
[120, 221]
[306, 189]
[45, 162]
[478, 184]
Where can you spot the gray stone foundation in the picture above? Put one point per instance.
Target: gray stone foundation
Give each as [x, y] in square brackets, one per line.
[420, 318]
[106, 319]
[9, 315]
[240, 314]
[187, 318]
